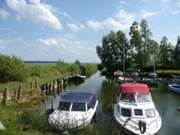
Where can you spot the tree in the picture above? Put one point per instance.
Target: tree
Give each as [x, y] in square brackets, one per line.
[114, 45]
[153, 50]
[12, 69]
[177, 53]
[166, 53]
[136, 43]
[146, 36]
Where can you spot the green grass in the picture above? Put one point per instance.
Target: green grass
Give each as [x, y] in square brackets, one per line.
[46, 73]
[169, 71]
[24, 118]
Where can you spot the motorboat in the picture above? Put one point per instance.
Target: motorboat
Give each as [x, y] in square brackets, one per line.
[122, 79]
[174, 87]
[151, 79]
[75, 110]
[135, 111]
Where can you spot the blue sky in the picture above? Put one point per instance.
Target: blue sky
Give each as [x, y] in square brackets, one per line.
[71, 29]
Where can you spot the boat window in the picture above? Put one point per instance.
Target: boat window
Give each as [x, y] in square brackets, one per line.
[92, 103]
[141, 98]
[78, 107]
[126, 112]
[150, 113]
[128, 97]
[64, 106]
[138, 112]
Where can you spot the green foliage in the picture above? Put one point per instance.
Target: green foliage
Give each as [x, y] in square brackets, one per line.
[177, 53]
[166, 52]
[11, 69]
[90, 69]
[113, 51]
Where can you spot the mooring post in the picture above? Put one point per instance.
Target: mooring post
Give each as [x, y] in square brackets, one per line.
[31, 87]
[53, 86]
[37, 86]
[4, 100]
[46, 88]
[19, 92]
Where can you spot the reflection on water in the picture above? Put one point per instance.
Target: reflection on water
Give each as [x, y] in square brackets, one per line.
[166, 103]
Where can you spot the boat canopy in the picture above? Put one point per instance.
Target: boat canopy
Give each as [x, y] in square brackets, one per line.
[77, 97]
[134, 88]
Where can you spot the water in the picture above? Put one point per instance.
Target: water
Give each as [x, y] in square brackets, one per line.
[166, 103]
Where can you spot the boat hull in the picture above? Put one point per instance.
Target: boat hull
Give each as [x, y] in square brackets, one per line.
[132, 131]
[70, 120]
[174, 88]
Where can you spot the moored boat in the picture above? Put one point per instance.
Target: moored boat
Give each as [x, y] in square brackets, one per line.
[174, 88]
[135, 111]
[74, 110]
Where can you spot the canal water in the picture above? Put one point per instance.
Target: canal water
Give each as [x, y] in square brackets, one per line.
[166, 103]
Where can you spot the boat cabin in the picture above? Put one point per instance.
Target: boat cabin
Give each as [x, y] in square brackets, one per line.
[77, 102]
[132, 96]
[134, 93]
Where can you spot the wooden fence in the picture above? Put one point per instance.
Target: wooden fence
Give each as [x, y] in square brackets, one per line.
[7, 95]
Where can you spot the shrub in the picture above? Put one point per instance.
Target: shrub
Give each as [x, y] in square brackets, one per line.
[11, 69]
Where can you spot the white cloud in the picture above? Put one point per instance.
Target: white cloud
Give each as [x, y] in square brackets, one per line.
[165, 1]
[121, 21]
[122, 2]
[68, 49]
[175, 12]
[4, 14]
[95, 25]
[65, 14]
[147, 14]
[75, 27]
[35, 11]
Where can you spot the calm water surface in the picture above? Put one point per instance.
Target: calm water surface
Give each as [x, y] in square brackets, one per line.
[166, 103]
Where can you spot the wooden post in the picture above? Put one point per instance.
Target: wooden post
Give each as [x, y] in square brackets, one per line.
[58, 86]
[19, 92]
[49, 89]
[37, 86]
[4, 100]
[53, 87]
[31, 88]
[46, 88]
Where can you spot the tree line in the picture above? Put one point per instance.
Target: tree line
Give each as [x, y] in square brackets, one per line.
[140, 51]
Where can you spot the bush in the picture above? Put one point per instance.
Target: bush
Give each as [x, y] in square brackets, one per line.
[11, 69]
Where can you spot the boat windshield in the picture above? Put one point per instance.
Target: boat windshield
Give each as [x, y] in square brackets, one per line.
[141, 98]
[78, 107]
[64, 106]
[128, 97]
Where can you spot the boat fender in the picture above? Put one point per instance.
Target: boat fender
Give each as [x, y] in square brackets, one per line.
[142, 126]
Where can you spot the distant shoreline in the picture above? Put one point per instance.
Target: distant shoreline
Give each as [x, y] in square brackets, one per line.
[40, 62]
[51, 62]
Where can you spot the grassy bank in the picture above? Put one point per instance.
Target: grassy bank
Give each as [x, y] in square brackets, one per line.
[169, 72]
[46, 73]
[24, 118]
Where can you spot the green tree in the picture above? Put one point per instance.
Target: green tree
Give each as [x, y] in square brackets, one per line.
[113, 51]
[136, 43]
[177, 53]
[166, 53]
[146, 36]
[153, 50]
[12, 69]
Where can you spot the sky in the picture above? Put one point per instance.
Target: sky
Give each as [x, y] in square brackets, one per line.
[71, 29]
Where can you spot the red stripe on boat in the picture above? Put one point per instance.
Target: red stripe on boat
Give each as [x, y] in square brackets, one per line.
[134, 88]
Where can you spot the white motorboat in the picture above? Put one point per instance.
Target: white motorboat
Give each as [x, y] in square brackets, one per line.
[135, 111]
[74, 110]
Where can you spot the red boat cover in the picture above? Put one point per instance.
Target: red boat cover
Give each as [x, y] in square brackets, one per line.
[134, 88]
